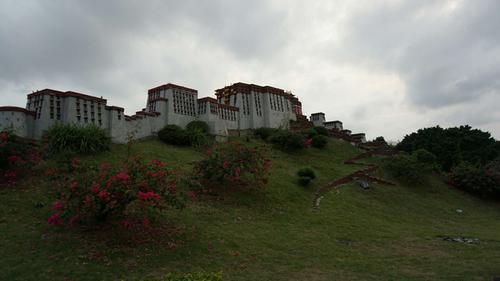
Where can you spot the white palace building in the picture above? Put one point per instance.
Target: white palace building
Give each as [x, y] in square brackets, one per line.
[238, 108]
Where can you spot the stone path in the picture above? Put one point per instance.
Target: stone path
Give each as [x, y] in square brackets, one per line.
[363, 174]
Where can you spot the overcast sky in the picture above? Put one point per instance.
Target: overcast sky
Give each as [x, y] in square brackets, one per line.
[382, 67]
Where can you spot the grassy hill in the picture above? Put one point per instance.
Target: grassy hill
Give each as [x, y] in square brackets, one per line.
[384, 233]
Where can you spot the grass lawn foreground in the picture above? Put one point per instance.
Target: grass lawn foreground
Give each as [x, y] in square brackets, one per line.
[383, 233]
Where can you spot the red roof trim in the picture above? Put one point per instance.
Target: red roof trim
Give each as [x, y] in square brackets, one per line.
[172, 86]
[146, 113]
[230, 107]
[114, 108]
[241, 87]
[207, 99]
[66, 94]
[17, 109]
[158, 99]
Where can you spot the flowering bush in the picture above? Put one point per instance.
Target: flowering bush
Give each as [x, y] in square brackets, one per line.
[232, 166]
[288, 141]
[16, 156]
[132, 195]
[319, 141]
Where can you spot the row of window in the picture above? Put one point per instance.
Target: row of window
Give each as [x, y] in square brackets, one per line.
[184, 104]
[258, 106]
[246, 104]
[277, 102]
[37, 103]
[85, 112]
[202, 108]
[316, 117]
[227, 114]
[58, 107]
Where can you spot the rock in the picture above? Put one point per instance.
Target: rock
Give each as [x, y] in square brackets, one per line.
[364, 184]
[460, 239]
[460, 211]
[345, 242]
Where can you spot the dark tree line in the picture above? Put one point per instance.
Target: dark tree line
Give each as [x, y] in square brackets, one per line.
[453, 146]
[469, 157]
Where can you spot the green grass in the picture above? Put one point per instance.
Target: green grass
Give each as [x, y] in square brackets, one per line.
[385, 233]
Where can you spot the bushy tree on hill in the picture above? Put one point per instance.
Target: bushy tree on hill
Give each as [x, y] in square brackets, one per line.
[453, 145]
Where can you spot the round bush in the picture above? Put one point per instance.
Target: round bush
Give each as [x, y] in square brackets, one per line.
[173, 134]
[306, 172]
[199, 126]
[321, 131]
[319, 141]
[304, 181]
[287, 141]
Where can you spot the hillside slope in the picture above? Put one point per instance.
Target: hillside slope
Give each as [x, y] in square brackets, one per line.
[384, 233]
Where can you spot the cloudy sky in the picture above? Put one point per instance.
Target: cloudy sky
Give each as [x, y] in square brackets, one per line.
[382, 67]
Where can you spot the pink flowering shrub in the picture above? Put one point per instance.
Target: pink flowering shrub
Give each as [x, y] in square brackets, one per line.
[231, 166]
[17, 156]
[134, 194]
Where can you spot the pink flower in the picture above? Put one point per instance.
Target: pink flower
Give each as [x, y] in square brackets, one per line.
[308, 142]
[225, 164]
[14, 158]
[94, 188]
[4, 136]
[157, 163]
[74, 185]
[88, 200]
[75, 163]
[110, 181]
[193, 195]
[35, 157]
[146, 222]
[122, 176]
[73, 220]
[10, 174]
[55, 219]
[58, 205]
[126, 224]
[148, 195]
[104, 195]
[237, 171]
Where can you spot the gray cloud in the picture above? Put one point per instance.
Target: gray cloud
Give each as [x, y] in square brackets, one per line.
[375, 66]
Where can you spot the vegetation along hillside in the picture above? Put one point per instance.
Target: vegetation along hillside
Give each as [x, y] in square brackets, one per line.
[428, 231]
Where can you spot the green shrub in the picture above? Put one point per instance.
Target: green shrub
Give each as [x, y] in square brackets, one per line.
[306, 172]
[475, 180]
[197, 276]
[319, 141]
[425, 157]
[287, 141]
[198, 126]
[306, 175]
[76, 139]
[321, 131]
[309, 133]
[197, 138]
[173, 134]
[304, 181]
[407, 169]
[264, 133]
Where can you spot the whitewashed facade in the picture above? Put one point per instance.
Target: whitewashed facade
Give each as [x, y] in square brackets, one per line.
[238, 108]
